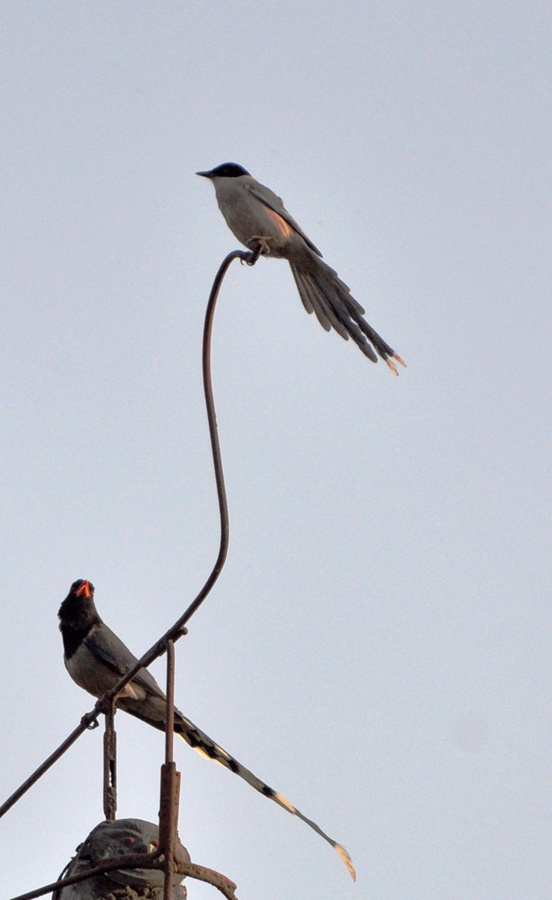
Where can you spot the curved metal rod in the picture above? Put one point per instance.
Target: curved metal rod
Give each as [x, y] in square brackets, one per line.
[89, 720]
[137, 861]
[178, 628]
[213, 432]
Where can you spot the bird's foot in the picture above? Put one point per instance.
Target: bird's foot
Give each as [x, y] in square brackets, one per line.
[260, 247]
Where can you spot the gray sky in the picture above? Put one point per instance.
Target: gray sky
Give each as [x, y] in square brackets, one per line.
[378, 646]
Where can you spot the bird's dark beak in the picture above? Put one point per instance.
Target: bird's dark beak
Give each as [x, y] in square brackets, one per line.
[84, 590]
[205, 174]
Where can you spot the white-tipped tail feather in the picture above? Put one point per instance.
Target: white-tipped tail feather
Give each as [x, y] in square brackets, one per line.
[208, 748]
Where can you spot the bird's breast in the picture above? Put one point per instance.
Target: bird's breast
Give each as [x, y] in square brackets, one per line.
[89, 673]
[248, 218]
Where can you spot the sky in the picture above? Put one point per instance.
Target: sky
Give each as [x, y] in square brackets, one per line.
[377, 647]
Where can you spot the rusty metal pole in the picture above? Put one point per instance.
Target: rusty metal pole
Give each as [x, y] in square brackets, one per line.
[170, 786]
[110, 764]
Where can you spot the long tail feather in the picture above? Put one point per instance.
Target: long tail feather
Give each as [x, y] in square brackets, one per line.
[208, 748]
[328, 316]
[322, 292]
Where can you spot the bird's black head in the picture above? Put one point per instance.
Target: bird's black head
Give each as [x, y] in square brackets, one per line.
[226, 170]
[77, 613]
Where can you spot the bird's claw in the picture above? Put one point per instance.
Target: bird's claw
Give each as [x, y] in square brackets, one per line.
[260, 247]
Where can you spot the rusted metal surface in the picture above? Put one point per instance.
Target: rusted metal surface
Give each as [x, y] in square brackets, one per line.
[168, 822]
[110, 765]
[170, 784]
[169, 721]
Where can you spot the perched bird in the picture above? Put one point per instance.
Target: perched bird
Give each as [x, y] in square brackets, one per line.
[260, 221]
[97, 659]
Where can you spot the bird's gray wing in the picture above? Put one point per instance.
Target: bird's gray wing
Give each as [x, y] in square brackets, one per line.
[111, 652]
[269, 199]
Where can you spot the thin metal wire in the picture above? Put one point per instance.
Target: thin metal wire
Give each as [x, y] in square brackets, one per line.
[87, 722]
